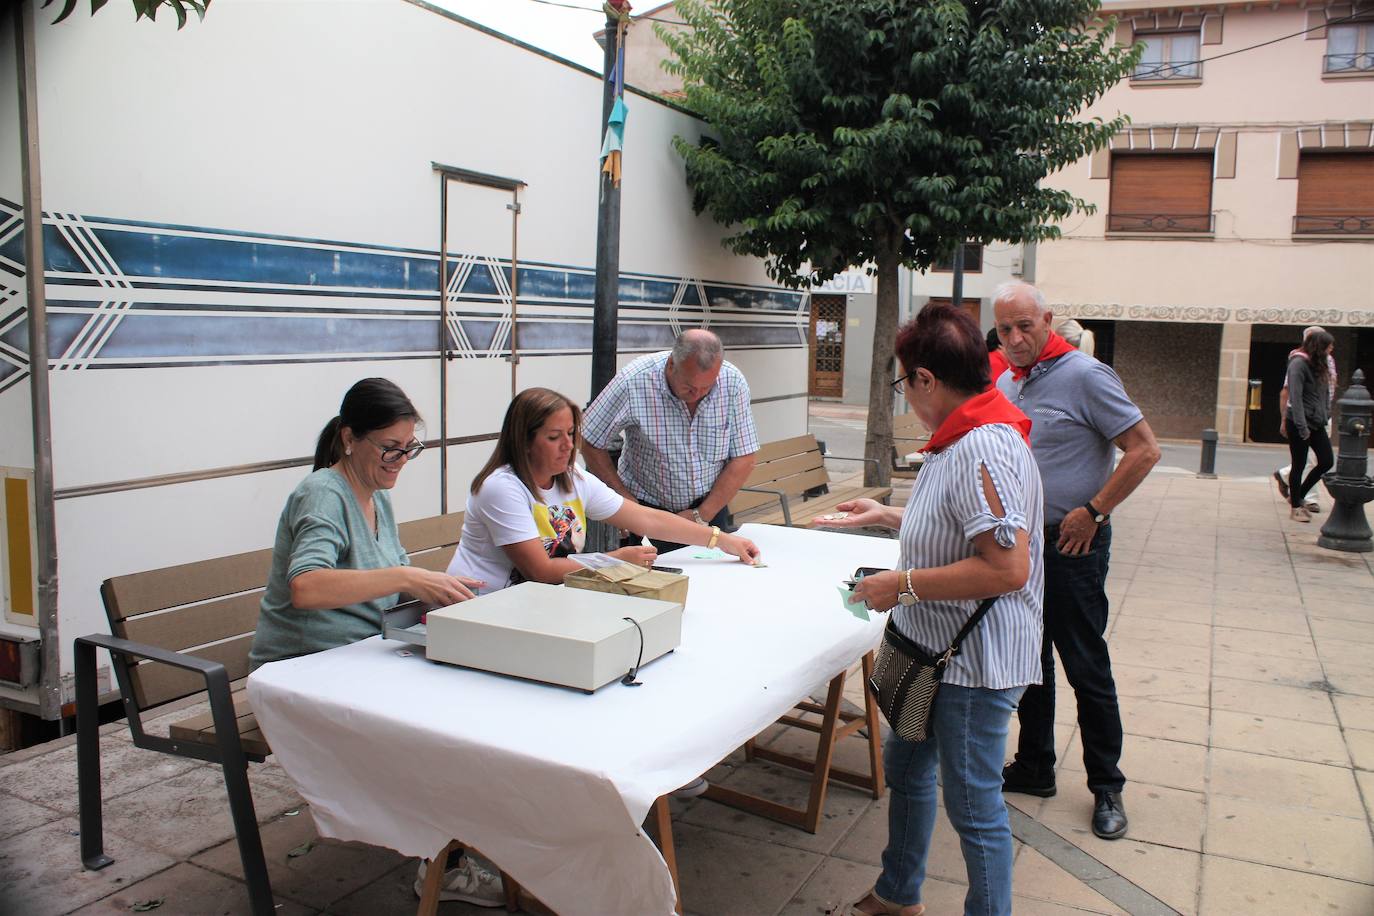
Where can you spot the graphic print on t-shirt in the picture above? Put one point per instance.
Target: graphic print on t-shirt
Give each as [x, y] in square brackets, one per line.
[562, 527]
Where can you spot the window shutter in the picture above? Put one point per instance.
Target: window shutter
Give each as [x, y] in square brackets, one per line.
[1335, 185]
[1161, 192]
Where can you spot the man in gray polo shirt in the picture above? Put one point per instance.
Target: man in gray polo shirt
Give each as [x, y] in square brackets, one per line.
[1081, 415]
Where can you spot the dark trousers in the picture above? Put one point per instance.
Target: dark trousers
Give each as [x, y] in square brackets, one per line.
[1320, 443]
[722, 520]
[1075, 621]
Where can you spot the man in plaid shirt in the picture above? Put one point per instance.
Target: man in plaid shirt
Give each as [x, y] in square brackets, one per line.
[689, 431]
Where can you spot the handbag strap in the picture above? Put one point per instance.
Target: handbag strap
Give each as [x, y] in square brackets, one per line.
[906, 645]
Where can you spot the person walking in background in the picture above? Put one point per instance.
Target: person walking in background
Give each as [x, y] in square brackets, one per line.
[1282, 474]
[1081, 416]
[997, 360]
[1309, 384]
[689, 432]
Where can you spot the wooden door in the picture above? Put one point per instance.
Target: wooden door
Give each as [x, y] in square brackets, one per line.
[973, 306]
[827, 347]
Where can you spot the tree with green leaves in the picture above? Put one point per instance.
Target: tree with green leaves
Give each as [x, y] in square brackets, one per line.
[885, 132]
[142, 8]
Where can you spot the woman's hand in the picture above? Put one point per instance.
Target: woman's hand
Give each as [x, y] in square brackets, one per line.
[440, 589]
[857, 513]
[879, 590]
[745, 549]
[639, 556]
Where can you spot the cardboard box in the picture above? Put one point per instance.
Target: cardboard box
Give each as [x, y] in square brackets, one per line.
[634, 581]
[571, 637]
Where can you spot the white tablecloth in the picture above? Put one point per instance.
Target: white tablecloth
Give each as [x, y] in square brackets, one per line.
[554, 784]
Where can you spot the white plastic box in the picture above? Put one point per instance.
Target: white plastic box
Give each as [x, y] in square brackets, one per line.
[567, 636]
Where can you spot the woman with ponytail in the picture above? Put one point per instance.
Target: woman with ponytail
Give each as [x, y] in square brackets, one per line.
[338, 562]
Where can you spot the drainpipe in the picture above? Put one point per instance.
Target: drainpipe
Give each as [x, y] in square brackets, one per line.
[50, 680]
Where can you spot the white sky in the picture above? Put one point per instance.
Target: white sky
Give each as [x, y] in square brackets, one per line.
[567, 33]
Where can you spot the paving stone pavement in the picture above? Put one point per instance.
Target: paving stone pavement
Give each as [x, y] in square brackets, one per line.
[1243, 658]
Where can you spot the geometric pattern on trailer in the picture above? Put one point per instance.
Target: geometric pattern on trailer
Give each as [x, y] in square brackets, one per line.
[133, 294]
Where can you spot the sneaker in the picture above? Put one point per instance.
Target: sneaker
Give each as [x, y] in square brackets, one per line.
[1312, 506]
[469, 882]
[694, 788]
[1016, 778]
[1283, 484]
[1300, 514]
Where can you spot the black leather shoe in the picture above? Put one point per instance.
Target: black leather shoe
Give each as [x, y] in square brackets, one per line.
[1109, 815]
[1016, 778]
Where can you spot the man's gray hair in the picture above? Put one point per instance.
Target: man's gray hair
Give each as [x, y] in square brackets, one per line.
[1012, 288]
[700, 345]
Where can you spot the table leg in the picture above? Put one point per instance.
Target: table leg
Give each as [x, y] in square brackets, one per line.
[434, 880]
[875, 730]
[663, 829]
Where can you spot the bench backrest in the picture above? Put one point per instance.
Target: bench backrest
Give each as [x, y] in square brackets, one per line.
[210, 608]
[908, 434]
[791, 465]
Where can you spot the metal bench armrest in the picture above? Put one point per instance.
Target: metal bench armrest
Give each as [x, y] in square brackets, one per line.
[872, 461]
[782, 501]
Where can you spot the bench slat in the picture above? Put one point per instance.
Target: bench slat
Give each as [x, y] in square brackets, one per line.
[782, 448]
[783, 467]
[188, 627]
[156, 683]
[428, 533]
[435, 560]
[188, 583]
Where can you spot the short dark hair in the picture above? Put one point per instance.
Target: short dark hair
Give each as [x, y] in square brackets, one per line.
[946, 342]
[371, 404]
[993, 340]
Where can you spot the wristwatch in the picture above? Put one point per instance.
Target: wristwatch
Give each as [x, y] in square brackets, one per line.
[696, 517]
[715, 536]
[1099, 517]
[907, 598]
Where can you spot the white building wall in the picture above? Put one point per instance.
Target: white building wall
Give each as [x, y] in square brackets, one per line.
[242, 217]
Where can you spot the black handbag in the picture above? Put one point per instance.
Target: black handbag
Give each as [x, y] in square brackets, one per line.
[906, 677]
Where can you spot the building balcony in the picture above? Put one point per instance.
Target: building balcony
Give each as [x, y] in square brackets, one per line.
[1161, 223]
[1355, 62]
[1333, 224]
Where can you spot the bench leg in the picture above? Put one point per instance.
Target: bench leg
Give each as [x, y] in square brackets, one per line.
[88, 760]
[240, 799]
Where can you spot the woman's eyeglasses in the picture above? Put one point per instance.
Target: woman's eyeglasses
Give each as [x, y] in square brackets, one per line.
[392, 454]
[897, 384]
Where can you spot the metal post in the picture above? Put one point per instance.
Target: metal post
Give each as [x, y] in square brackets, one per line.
[957, 293]
[443, 343]
[1208, 466]
[514, 207]
[50, 690]
[607, 297]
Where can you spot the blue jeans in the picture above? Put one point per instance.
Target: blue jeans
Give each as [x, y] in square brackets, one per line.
[968, 743]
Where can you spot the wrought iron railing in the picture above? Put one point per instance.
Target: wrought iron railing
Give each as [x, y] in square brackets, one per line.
[1354, 61]
[1334, 224]
[1183, 70]
[1159, 222]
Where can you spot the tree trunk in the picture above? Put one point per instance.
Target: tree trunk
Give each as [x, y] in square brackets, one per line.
[878, 439]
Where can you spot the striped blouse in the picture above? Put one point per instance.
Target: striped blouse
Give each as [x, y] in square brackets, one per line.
[947, 509]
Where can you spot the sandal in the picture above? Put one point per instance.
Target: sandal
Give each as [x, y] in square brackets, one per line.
[889, 908]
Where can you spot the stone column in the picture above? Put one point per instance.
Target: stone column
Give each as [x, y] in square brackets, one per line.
[1233, 370]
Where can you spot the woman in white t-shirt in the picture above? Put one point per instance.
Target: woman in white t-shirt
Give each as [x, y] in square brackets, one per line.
[530, 504]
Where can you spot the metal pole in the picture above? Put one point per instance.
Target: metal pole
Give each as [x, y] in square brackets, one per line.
[1207, 466]
[443, 343]
[50, 690]
[514, 207]
[607, 297]
[957, 294]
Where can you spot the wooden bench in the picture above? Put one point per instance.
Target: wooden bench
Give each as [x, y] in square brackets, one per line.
[790, 486]
[182, 630]
[908, 435]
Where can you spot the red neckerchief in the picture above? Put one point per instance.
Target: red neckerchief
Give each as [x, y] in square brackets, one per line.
[997, 364]
[980, 410]
[1055, 346]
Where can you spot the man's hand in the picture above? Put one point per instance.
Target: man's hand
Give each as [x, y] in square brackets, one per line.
[1283, 426]
[1076, 533]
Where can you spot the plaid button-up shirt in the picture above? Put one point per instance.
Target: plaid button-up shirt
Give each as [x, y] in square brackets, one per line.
[671, 457]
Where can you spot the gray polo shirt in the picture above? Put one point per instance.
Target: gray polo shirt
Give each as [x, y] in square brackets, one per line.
[1077, 407]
